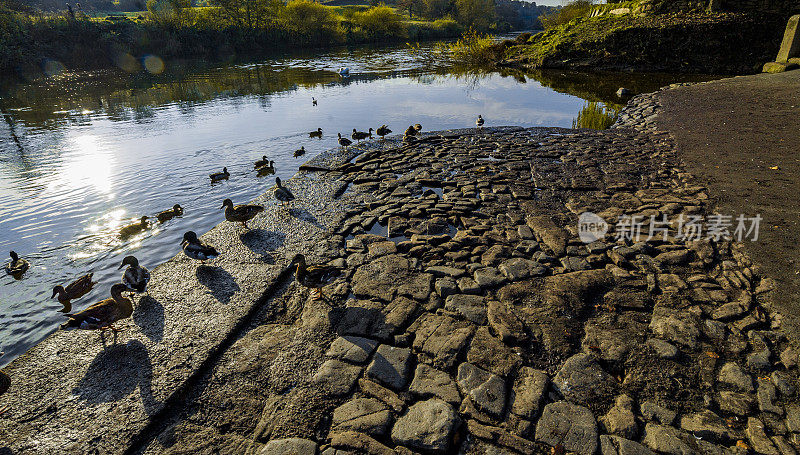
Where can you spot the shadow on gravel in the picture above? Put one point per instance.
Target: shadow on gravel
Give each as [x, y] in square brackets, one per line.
[305, 215]
[149, 316]
[115, 372]
[260, 241]
[221, 283]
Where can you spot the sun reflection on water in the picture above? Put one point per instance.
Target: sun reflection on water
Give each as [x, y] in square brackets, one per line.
[88, 166]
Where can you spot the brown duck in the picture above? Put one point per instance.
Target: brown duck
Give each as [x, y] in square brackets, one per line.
[135, 228]
[314, 276]
[102, 315]
[74, 290]
[167, 215]
[240, 213]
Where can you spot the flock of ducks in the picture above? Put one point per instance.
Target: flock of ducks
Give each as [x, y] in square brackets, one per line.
[102, 315]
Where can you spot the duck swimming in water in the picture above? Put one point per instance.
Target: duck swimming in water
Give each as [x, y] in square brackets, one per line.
[266, 170]
[240, 213]
[195, 249]
[219, 176]
[74, 290]
[102, 315]
[300, 152]
[262, 162]
[167, 215]
[18, 266]
[314, 276]
[317, 133]
[134, 228]
[135, 277]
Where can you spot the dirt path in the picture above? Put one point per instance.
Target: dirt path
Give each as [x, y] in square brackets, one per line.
[731, 134]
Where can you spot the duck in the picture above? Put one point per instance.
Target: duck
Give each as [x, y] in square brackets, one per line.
[195, 249]
[314, 276]
[343, 141]
[262, 162]
[74, 290]
[240, 213]
[136, 276]
[267, 169]
[383, 131]
[102, 315]
[410, 131]
[317, 133]
[313, 101]
[300, 152]
[167, 215]
[135, 228]
[18, 266]
[282, 193]
[417, 127]
[5, 383]
[359, 135]
[479, 122]
[344, 71]
[217, 176]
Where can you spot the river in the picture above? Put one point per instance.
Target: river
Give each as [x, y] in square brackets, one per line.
[82, 154]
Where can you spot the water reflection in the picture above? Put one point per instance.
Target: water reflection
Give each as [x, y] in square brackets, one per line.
[96, 151]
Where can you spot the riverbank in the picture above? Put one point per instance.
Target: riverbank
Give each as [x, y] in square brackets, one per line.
[720, 43]
[467, 317]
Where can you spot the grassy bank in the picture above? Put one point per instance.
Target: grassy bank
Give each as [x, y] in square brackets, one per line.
[31, 44]
[685, 42]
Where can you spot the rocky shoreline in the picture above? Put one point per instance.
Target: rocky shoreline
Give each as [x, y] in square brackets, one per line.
[470, 317]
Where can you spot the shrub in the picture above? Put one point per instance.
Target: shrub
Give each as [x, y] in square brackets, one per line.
[379, 22]
[307, 18]
[474, 49]
[572, 10]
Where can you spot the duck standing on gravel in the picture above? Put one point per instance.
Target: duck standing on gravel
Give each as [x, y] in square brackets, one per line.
[410, 131]
[300, 152]
[74, 290]
[282, 193]
[359, 135]
[317, 133]
[135, 277]
[314, 276]
[195, 249]
[134, 228]
[240, 213]
[479, 122]
[5, 383]
[18, 266]
[383, 131]
[167, 215]
[262, 162]
[219, 176]
[343, 141]
[102, 315]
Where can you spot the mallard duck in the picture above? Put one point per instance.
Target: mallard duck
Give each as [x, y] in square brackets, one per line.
[102, 315]
[479, 122]
[383, 131]
[262, 162]
[410, 131]
[167, 215]
[417, 127]
[74, 290]
[315, 276]
[359, 135]
[135, 228]
[195, 249]
[18, 266]
[313, 101]
[266, 170]
[217, 176]
[240, 213]
[300, 152]
[343, 141]
[317, 133]
[282, 193]
[5, 383]
[135, 277]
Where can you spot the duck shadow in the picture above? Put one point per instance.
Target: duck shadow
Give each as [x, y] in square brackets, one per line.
[149, 316]
[260, 241]
[115, 373]
[219, 282]
[305, 215]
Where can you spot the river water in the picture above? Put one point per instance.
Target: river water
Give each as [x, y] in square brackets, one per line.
[82, 154]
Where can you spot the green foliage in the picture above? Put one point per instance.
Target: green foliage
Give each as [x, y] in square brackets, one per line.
[379, 22]
[169, 12]
[308, 21]
[573, 10]
[595, 116]
[476, 14]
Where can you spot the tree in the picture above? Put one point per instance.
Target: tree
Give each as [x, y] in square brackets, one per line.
[478, 14]
[437, 9]
[410, 6]
[248, 14]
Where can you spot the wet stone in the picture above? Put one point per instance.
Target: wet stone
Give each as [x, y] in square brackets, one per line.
[336, 377]
[364, 415]
[492, 354]
[441, 337]
[470, 307]
[429, 382]
[468, 286]
[428, 426]
[490, 397]
[528, 392]
[582, 380]
[570, 425]
[352, 349]
[516, 269]
[445, 287]
[504, 322]
[488, 277]
[391, 366]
